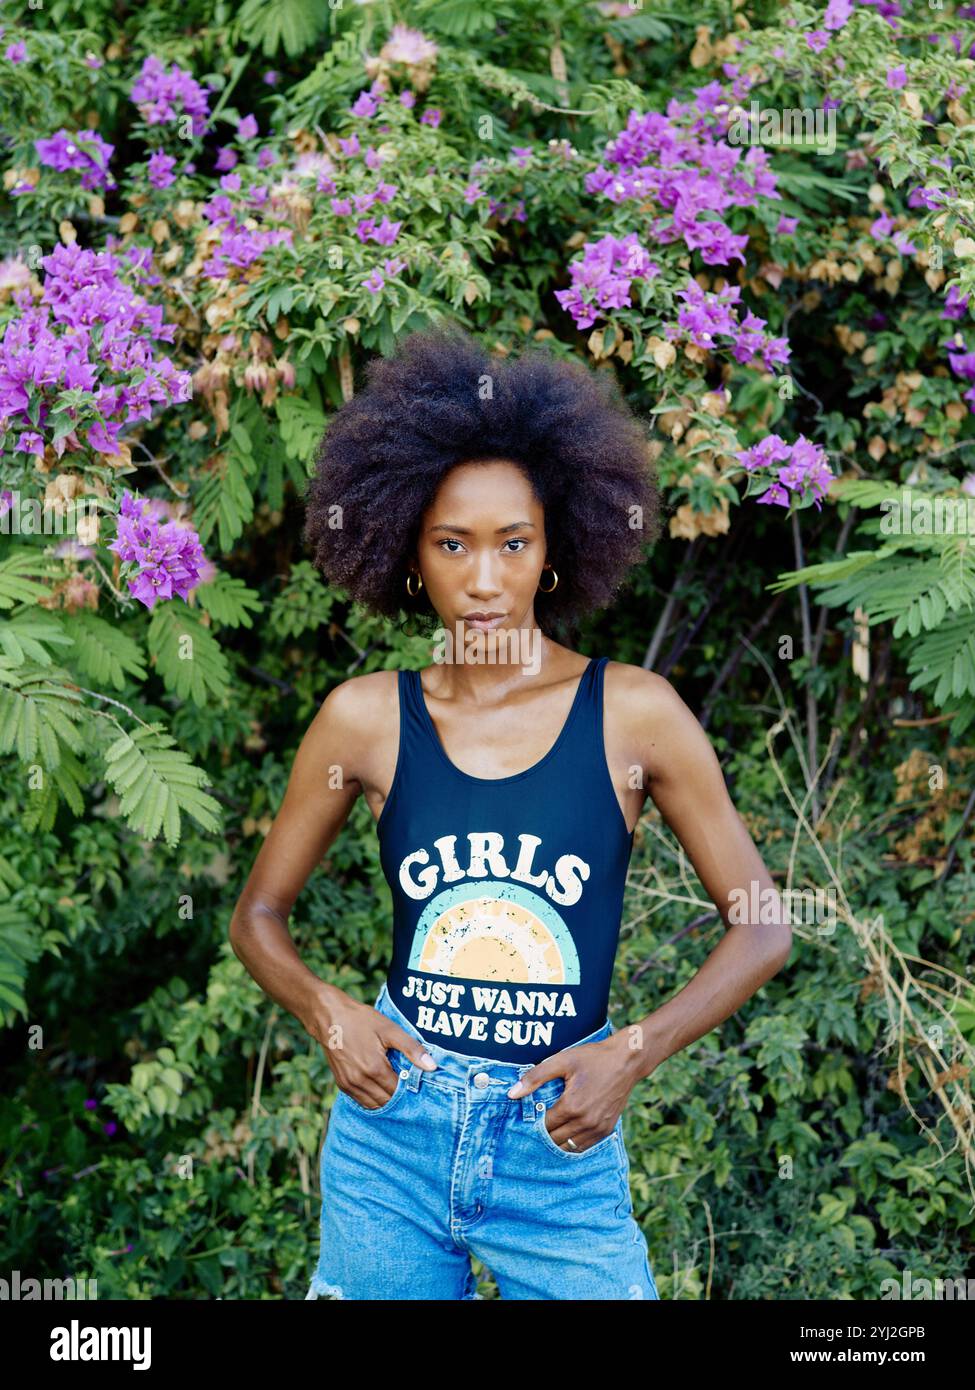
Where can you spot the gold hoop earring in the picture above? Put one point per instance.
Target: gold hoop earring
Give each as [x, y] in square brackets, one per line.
[413, 592]
[548, 591]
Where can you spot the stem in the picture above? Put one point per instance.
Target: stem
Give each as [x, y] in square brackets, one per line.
[663, 622]
[811, 654]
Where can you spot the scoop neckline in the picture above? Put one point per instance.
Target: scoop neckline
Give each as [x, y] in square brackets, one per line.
[512, 776]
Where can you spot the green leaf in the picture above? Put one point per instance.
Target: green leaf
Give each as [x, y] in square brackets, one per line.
[187, 656]
[155, 782]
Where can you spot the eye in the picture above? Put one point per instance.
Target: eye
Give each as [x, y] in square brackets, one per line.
[450, 540]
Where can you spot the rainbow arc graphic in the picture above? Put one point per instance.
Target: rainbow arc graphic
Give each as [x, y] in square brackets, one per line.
[494, 931]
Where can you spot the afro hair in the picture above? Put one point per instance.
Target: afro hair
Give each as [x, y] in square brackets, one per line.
[440, 400]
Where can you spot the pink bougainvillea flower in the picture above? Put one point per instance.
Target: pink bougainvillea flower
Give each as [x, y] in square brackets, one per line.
[169, 556]
[837, 13]
[364, 105]
[159, 169]
[956, 304]
[408, 46]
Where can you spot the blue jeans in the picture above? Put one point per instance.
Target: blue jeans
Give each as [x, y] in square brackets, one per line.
[449, 1167]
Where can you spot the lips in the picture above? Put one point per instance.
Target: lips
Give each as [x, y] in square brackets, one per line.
[483, 622]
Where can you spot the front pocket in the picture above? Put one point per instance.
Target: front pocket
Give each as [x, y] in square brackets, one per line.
[610, 1143]
[379, 1109]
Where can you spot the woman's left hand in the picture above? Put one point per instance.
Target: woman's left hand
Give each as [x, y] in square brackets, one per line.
[598, 1080]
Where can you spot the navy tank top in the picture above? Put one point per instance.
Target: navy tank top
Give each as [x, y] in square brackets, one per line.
[507, 891]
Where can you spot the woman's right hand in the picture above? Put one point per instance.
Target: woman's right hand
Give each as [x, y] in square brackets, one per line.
[356, 1038]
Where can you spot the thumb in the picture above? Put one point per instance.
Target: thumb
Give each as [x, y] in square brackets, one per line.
[395, 1036]
[536, 1076]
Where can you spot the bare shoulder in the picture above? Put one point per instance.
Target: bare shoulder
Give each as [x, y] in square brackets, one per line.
[354, 718]
[639, 690]
[648, 716]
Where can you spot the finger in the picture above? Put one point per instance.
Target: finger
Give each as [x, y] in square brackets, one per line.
[376, 1097]
[538, 1075]
[561, 1133]
[374, 1091]
[395, 1036]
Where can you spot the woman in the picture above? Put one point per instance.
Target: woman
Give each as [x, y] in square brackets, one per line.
[479, 1106]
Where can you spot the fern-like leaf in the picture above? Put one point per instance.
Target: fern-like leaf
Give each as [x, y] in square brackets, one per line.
[155, 782]
[187, 656]
[227, 600]
[103, 653]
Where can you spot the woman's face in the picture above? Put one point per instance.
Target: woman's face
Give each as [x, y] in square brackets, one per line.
[481, 546]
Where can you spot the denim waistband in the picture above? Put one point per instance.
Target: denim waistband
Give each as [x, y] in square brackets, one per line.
[456, 1069]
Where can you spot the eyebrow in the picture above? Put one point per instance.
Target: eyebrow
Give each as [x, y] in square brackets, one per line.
[466, 531]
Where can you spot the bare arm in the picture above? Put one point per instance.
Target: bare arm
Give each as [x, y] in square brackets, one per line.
[321, 791]
[688, 787]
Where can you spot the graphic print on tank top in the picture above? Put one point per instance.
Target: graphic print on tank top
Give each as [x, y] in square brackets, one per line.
[507, 892]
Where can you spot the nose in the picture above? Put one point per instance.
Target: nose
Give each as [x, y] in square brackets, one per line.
[484, 576]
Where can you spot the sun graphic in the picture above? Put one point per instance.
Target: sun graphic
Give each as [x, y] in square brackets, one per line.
[494, 932]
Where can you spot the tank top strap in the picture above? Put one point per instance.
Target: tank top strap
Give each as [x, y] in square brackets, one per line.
[584, 727]
[417, 737]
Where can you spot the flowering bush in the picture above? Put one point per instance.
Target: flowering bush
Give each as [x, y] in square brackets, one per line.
[760, 220]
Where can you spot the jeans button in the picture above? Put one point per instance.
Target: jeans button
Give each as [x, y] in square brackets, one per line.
[481, 1080]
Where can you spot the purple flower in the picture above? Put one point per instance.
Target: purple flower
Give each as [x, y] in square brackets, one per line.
[374, 282]
[110, 1127]
[85, 150]
[767, 452]
[407, 99]
[786, 225]
[163, 96]
[247, 128]
[431, 116]
[90, 1104]
[160, 169]
[837, 13]
[169, 556]
[364, 105]
[16, 52]
[896, 77]
[775, 496]
[882, 226]
[226, 158]
[956, 304]
[607, 269]
[903, 244]
[817, 40]
[925, 198]
[270, 77]
[30, 443]
[387, 232]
